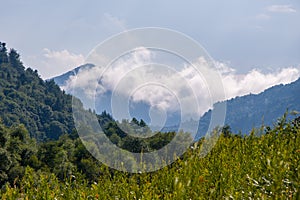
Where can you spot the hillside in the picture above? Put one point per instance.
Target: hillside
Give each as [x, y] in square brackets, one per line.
[25, 98]
[244, 113]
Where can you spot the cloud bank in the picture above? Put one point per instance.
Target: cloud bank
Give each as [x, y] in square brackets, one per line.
[55, 61]
[139, 77]
[255, 81]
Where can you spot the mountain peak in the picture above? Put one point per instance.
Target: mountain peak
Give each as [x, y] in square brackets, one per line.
[61, 80]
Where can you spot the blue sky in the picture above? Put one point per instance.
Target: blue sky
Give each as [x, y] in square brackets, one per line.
[55, 36]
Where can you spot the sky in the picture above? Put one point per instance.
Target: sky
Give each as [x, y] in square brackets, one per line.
[254, 43]
[56, 36]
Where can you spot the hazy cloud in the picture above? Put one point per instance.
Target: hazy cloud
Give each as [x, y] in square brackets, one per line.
[135, 70]
[51, 63]
[112, 22]
[256, 81]
[281, 9]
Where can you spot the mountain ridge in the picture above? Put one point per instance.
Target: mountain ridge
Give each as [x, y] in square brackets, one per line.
[254, 110]
[61, 79]
[245, 112]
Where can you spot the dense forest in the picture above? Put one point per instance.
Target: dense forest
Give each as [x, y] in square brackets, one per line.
[26, 99]
[42, 156]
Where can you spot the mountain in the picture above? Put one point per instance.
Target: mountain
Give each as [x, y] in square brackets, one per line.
[46, 112]
[61, 79]
[243, 113]
[137, 110]
[25, 98]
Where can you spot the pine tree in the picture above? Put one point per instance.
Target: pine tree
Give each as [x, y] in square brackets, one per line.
[14, 60]
[3, 53]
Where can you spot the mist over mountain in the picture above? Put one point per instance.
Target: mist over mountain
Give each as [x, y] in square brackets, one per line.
[139, 110]
[243, 113]
[254, 110]
[61, 79]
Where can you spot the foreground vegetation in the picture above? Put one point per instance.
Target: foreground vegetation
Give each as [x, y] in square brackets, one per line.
[263, 165]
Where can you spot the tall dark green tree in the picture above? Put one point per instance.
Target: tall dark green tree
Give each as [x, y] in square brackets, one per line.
[3, 53]
[14, 59]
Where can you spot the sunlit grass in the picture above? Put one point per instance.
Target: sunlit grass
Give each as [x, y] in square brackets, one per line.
[258, 166]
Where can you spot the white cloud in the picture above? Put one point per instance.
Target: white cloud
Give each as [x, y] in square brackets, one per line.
[111, 76]
[58, 61]
[112, 22]
[51, 63]
[281, 9]
[256, 81]
[274, 9]
[134, 75]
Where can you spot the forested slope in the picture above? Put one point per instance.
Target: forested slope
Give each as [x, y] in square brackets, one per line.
[25, 98]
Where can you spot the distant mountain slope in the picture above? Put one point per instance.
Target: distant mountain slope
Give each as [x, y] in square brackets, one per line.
[138, 110]
[61, 79]
[25, 98]
[244, 113]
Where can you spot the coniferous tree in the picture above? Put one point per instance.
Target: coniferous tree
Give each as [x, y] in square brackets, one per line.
[3, 53]
[14, 59]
